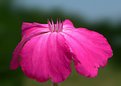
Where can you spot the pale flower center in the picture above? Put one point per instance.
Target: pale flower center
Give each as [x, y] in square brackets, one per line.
[58, 27]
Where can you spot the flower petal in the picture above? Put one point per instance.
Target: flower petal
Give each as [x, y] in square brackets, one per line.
[91, 50]
[30, 28]
[15, 59]
[46, 56]
[67, 24]
[33, 58]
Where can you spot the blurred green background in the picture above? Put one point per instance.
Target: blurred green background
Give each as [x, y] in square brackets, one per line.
[12, 15]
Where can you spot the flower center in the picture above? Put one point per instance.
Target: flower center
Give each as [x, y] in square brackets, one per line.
[58, 27]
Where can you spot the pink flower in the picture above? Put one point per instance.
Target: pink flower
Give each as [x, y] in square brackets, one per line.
[46, 51]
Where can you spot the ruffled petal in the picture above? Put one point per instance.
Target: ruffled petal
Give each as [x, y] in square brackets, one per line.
[46, 57]
[90, 48]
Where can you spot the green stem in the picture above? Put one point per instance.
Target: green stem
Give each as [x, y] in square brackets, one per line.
[55, 84]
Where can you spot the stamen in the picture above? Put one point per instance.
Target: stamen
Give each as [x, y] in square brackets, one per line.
[49, 25]
[55, 27]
